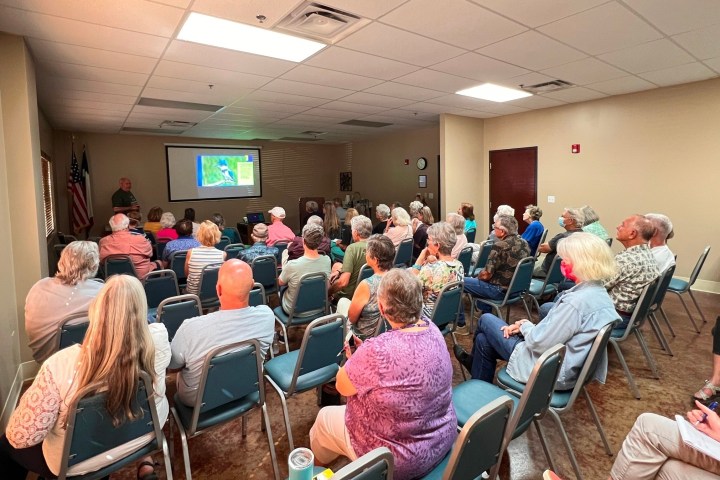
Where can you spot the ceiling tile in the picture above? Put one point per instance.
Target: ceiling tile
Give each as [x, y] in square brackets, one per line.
[63, 102]
[175, 3]
[713, 63]
[366, 8]
[246, 10]
[602, 29]
[85, 72]
[703, 43]
[412, 115]
[648, 56]
[677, 17]
[377, 100]
[620, 86]
[92, 96]
[62, 52]
[89, 86]
[575, 94]
[305, 89]
[276, 97]
[171, 113]
[434, 108]
[457, 22]
[533, 51]
[353, 107]
[479, 67]
[692, 72]
[225, 94]
[437, 80]
[330, 78]
[536, 101]
[393, 89]
[404, 47]
[533, 13]
[209, 76]
[532, 78]
[350, 61]
[585, 71]
[329, 113]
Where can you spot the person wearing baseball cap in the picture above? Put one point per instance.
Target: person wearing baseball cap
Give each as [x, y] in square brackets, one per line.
[259, 237]
[278, 231]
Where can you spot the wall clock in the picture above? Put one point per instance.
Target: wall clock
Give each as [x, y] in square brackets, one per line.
[422, 163]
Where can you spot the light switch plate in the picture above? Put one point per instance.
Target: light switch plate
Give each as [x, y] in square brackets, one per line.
[551, 198]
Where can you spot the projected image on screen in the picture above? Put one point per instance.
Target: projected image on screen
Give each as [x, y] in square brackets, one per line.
[224, 171]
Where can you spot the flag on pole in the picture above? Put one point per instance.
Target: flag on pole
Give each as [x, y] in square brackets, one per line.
[79, 209]
[86, 187]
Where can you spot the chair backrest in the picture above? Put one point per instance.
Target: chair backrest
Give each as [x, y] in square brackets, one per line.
[609, 241]
[229, 373]
[72, 330]
[264, 270]
[465, 257]
[257, 295]
[403, 253]
[485, 248]
[233, 250]
[322, 341]
[67, 238]
[175, 310]
[159, 285]
[177, 264]
[554, 276]
[159, 249]
[377, 464]
[522, 277]
[59, 247]
[119, 265]
[281, 247]
[207, 289]
[150, 236]
[479, 446]
[90, 431]
[698, 266]
[642, 307]
[224, 242]
[542, 240]
[311, 296]
[366, 271]
[662, 287]
[447, 305]
[470, 235]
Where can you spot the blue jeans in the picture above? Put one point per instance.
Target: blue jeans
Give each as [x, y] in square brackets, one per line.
[620, 329]
[490, 346]
[480, 289]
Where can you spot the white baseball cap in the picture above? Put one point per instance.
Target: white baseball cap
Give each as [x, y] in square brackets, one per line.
[277, 211]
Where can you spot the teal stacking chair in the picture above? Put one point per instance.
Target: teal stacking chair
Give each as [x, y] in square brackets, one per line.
[472, 395]
[257, 295]
[311, 302]
[479, 446]
[264, 270]
[403, 253]
[118, 265]
[547, 286]
[90, 431]
[230, 387]
[159, 285]
[224, 242]
[446, 310]
[207, 289]
[177, 264]
[233, 250]
[365, 272]
[470, 235]
[313, 365]
[516, 291]
[281, 247]
[562, 401]
[679, 286]
[377, 464]
[72, 330]
[485, 248]
[662, 288]
[542, 240]
[465, 257]
[173, 311]
[159, 248]
[639, 315]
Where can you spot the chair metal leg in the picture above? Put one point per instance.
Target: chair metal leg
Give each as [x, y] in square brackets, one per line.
[687, 310]
[702, 315]
[244, 426]
[667, 321]
[646, 351]
[543, 443]
[527, 310]
[566, 442]
[184, 443]
[621, 358]
[271, 444]
[286, 415]
[654, 329]
[659, 334]
[166, 457]
[596, 419]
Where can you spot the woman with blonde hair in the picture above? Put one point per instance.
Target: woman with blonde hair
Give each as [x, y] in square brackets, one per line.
[331, 223]
[118, 345]
[401, 228]
[208, 235]
[346, 230]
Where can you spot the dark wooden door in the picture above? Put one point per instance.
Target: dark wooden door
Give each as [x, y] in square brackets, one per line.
[513, 181]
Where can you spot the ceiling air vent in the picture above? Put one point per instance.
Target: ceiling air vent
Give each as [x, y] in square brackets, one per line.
[365, 123]
[297, 139]
[321, 22]
[546, 87]
[177, 124]
[151, 130]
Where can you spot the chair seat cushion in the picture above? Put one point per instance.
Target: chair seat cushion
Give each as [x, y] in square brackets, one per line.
[216, 415]
[437, 472]
[281, 369]
[470, 396]
[678, 285]
[560, 398]
[285, 318]
[536, 288]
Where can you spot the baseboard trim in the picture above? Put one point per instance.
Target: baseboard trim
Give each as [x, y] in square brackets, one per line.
[707, 286]
[12, 398]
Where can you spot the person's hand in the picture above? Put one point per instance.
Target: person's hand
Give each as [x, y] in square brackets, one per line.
[348, 351]
[711, 425]
[514, 329]
[431, 259]
[421, 258]
[357, 341]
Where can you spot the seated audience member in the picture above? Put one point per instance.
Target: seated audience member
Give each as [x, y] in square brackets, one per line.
[167, 232]
[135, 218]
[711, 389]
[206, 254]
[228, 232]
[362, 311]
[591, 223]
[331, 222]
[259, 248]
[534, 231]
[311, 262]
[278, 231]
[346, 231]
[236, 321]
[658, 243]
[398, 388]
[122, 242]
[349, 270]
[494, 279]
[296, 248]
[395, 205]
[153, 221]
[400, 229]
[458, 223]
[190, 215]
[571, 220]
[501, 210]
[184, 241]
[467, 211]
[636, 266]
[426, 219]
[441, 269]
[574, 320]
[339, 210]
[414, 210]
[119, 343]
[311, 208]
[52, 299]
[382, 213]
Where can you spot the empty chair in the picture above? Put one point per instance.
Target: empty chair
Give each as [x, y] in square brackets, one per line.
[377, 464]
[679, 287]
[175, 310]
[177, 265]
[403, 254]
[310, 302]
[207, 289]
[656, 305]
[485, 248]
[233, 250]
[465, 257]
[72, 330]
[264, 270]
[118, 265]
[519, 285]
[224, 242]
[230, 386]
[159, 285]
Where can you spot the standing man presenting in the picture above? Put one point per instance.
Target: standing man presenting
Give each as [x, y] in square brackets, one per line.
[123, 200]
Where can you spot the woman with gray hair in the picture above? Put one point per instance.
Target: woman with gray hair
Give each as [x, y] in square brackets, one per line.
[434, 275]
[167, 232]
[414, 210]
[591, 223]
[501, 210]
[398, 388]
[401, 228]
[382, 213]
[534, 231]
[458, 223]
[53, 299]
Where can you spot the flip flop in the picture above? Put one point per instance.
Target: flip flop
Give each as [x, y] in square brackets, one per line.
[148, 476]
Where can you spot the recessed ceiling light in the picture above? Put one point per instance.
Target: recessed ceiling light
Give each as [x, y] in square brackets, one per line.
[222, 33]
[494, 93]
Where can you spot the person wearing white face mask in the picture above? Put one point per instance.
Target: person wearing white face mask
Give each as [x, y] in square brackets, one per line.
[572, 221]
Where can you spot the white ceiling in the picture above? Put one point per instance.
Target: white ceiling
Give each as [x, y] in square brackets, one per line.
[96, 58]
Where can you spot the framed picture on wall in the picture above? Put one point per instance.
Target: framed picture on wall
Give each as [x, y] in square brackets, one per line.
[346, 181]
[422, 181]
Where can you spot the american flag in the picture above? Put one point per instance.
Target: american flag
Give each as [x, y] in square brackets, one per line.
[79, 212]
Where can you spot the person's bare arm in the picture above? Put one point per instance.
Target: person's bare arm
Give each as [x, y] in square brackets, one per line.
[343, 384]
[187, 263]
[544, 248]
[359, 300]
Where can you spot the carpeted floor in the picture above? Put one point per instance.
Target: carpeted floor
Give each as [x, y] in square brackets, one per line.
[222, 453]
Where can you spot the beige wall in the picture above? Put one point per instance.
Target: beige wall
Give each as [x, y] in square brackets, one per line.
[654, 151]
[289, 171]
[380, 174]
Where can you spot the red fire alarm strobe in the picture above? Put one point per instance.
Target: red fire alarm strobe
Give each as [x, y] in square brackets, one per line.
[575, 148]
[407, 161]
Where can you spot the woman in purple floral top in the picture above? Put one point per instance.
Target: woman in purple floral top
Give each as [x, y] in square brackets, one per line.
[398, 387]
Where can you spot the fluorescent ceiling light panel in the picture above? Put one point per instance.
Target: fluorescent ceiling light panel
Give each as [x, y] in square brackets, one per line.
[494, 93]
[222, 33]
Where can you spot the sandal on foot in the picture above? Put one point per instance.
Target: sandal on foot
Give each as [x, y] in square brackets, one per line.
[702, 396]
[150, 475]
